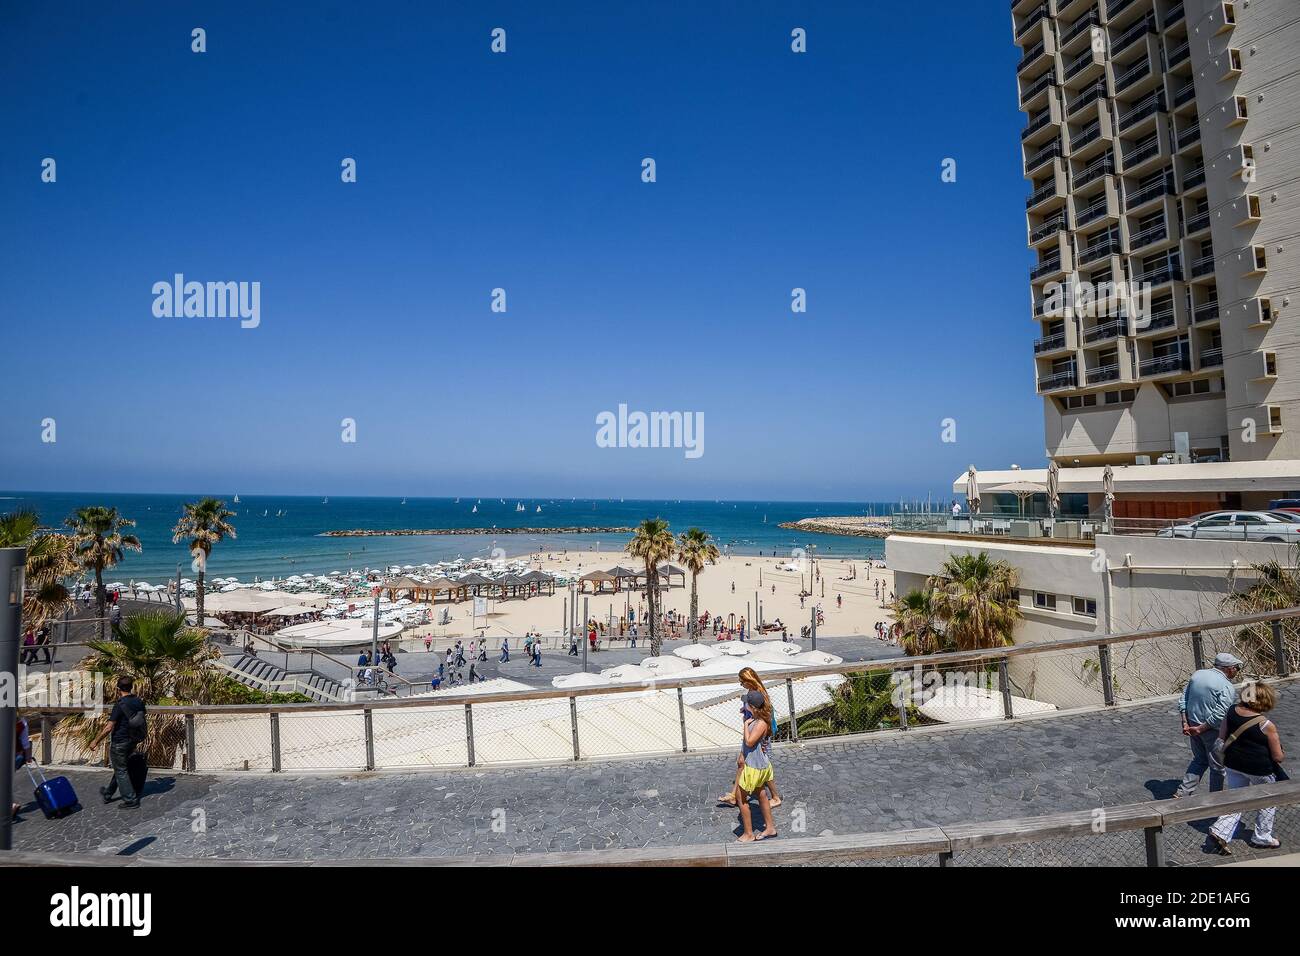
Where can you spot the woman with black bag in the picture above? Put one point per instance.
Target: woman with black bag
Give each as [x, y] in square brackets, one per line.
[1250, 749]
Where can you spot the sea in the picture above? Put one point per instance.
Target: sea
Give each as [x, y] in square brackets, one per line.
[282, 535]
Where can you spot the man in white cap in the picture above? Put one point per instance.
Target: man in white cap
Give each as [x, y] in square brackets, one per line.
[1205, 700]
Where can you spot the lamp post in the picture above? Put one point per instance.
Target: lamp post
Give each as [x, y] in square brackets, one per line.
[12, 563]
[374, 634]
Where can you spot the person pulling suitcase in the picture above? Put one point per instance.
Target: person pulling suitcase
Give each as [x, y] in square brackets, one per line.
[126, 729]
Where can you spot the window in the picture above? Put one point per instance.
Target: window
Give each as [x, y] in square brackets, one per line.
[1045, 601]
[1085, 606]
[1073, 402]
[1121, 396]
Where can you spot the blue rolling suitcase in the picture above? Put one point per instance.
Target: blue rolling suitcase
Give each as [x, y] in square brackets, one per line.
[55, 797]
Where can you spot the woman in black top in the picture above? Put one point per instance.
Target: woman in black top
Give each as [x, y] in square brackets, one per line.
[1252, 752]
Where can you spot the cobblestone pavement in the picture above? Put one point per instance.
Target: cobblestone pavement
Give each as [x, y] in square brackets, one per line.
[890, 782]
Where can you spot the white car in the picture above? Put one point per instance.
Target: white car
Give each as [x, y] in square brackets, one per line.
[1272, 526]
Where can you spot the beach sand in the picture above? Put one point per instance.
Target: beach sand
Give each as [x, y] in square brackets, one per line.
[779, 594]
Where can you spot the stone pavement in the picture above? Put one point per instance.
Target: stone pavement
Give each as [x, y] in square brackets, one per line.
[883, 782]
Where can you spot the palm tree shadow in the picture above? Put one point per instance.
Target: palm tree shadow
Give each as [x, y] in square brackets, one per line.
[159, 786]
[1162, 789]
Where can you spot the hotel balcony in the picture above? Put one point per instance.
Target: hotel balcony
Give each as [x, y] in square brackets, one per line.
[1189, 137]
[1179, 54]
[1050, 194]
[1105, 331]
[1173, 16]
[1096, 93]
[1207, 313]
[1037, 55]
[1069, 11]
[1093, 172]
[1202, 268]
[1184, 96]
[1136, 117]
[1164, 315]
[1254, 261]
[1079, 33]
[1087, 67]
[1148, 195]
[1056, 381]
[1047, 270]
[1163, 274]
[1194, 181]
[1110, 246]
[1041, 310]
[1197, 223]
[1033, 95]
[1048, 230]
[1164, 365]
[1122, 13]
[1223, 17]
[1105, 207]
[1102, 374]
[1092, 140]
[1140, 158]
[1148, 238]
[1024, 25]
[1212, 358]
[1125, 38]
[1137, 77]
[1041, 127]
[1037, 160]
[1259, 313]
[1049, 344]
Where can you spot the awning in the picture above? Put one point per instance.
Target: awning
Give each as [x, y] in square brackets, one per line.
[1204, 477]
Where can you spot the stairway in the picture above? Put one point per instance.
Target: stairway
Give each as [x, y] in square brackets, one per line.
[259, 673]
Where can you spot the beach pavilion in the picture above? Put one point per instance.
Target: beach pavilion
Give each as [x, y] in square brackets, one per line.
[597, 579]
[623, 577]
[538, 579]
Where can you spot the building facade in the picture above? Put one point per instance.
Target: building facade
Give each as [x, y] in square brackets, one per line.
[1163, 153]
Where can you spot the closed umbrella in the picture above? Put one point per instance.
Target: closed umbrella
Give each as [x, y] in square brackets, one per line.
[1054, 487]
[1108, 491]
[972, 495]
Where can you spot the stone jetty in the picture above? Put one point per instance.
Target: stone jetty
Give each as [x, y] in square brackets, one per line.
[407, 532]
[860, 526]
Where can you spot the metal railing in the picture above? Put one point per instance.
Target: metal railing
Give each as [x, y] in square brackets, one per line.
[1095, 171]
[1132, 34]
[1164, 365]
[1049, 383]
[1148, 236]
[1144, 195]
[654, 717]
[1211, 358]
[1133, 74]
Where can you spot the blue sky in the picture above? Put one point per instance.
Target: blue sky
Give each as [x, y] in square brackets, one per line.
[521, 171]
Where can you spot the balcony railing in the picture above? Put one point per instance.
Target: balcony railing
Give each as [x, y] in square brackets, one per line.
[1161, 318]
[1202, 266]
[1108, 330]
[1211, 358]
[1032, 20]
[1032, 54]
[1091, 214]
[1042, 156]
[1193, 179]
[1110, 246]
[1057, 380]
[1046, 267]
[1047, 229]
[1206, 312]
[1165, 272]
[1148, 236]
[1090, 95]
[1148, 193]
[1152, 103]
[1164, 365]
[1140, 154]
[1103, 373]
[1115, 7]
[1103, 167]
[1133, 74]
[1041, 195]
[1185, 95]
[1174, 15]
[1080, 63]
[1197, 223]
[1037, 123]
[1188, 136]
[1050, 343]
[1086, 136]
[1178, 54]
[1040, 84]
[1126, 39]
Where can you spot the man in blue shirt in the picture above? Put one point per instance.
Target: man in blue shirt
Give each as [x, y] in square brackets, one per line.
[1205, 700]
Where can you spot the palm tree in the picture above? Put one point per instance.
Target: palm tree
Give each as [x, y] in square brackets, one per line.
[695, 549]
[168, 661]
[975, 597]
[49, 562]
[652, 542]
[916, 617]
[204, 523]
[862, 702]
[99, 544]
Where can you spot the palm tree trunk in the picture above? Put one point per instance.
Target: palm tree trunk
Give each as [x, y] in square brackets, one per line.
[656, 643]
[695, 610]
[198, 601]
[99, 601]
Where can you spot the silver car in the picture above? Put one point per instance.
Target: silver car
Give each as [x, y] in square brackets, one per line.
[1273, 526]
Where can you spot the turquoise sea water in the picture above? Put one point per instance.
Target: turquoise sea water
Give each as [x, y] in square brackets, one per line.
[271, 546]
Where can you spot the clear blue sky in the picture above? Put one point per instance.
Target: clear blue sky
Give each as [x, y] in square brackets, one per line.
[522, 171]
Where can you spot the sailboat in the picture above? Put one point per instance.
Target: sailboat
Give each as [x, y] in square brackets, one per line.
[539, 510]
[236, 499]
[474, 510]
[403, 501]
[279, 514]
[519, 506]
[264, 513]
[326, 501]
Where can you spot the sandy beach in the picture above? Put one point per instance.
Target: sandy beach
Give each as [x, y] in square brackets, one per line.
[778, 590]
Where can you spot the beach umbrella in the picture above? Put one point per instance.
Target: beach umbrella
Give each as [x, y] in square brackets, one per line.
[628, 674]
[734, 648]
[972, 494]
[1054, 487]
[1023, 490]
[1108, 493]
[666, 664]
[815, 659]
[579, 679]
[697, 652]
[772, 653]
[788, 648]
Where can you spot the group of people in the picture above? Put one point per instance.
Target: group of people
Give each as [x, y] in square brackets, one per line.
[755, 775]
[1231, 735]
[34, 642]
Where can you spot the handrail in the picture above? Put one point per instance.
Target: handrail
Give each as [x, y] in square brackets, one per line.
[1150, 817]
[984, 656]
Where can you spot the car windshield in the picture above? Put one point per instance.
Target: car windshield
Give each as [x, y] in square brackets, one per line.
[1289, 516]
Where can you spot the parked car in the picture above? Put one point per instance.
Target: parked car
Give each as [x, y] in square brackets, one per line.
[1285, 504]
[1273, 526]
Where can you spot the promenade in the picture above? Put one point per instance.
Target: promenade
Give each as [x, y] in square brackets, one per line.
[856, 785]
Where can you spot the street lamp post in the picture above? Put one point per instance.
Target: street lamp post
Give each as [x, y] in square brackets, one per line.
[12, 563]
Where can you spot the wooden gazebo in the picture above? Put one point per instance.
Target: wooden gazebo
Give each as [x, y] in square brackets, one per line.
[597, 579]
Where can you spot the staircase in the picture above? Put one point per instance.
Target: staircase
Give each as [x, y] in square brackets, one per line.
[265, 676]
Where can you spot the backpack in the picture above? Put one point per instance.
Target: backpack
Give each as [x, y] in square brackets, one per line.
[136, 729]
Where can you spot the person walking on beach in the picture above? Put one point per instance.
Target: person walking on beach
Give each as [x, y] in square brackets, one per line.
[482, 650]
[428, 642]
[537, 653]
[1206, 699]
[757, 769]
[573, 645]
[1251, 749]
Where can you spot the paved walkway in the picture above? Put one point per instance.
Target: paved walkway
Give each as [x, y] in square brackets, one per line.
[887, 782]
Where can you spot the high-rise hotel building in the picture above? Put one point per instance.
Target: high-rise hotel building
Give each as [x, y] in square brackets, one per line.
[1163, 149]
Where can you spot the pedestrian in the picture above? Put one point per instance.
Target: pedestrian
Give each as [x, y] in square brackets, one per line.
[537, 653]
[126, 729]
[29, 648]
[757, 769]
[22, 752]
[482, 650]
[749, 680]
[1205, 701]
[428, 642]
[441, 671]
[573, 645]
[839, 600]
[1251, 751]
[505, 651]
